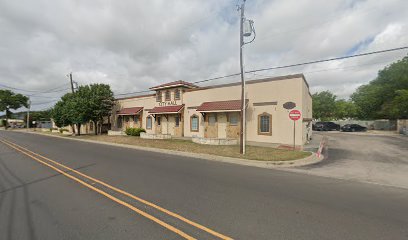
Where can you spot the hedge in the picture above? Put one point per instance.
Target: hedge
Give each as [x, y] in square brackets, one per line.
[134, 131]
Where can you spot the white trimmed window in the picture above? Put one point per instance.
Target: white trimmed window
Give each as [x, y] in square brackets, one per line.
[158, 96]
[149, 122]
[194, 123]
[177, 94]
[233, 119]
[167, 95]
[264, 124]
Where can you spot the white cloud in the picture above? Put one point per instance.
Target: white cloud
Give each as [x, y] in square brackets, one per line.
[134, 45]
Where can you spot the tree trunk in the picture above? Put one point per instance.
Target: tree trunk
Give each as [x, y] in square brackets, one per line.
[96, 127]
[73, 128]
[7, 117]
[79, 129]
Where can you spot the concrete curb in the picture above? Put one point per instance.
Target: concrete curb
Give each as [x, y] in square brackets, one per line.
[312, 159]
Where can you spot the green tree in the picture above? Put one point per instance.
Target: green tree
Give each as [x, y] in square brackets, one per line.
[398, 107]
[345, 109]
[60, 112]
[324, 105]
[101, 102]
[90, 103]
[379, 98]
[10, 100]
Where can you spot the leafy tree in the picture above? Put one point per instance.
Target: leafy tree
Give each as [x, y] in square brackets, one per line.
[398, 107]
[89, 103]
[324, 105]
[10, 100]
[99, 102]
[60, 112]
[381, 97]
[345, 109]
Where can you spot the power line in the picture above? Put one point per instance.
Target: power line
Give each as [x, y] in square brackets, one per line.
[36, 94]
[286, 66]
[328, 60]
[35, 91]
[332, 69]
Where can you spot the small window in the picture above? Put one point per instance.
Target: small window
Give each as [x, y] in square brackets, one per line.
[158, 96]
[158, 120]
[136, 119]
[119, 122]
[177, 120]
[212, 120]
[177, 94]
[168, 95]
[149, 122]
[194, 123]
[265, 124]
[127, 118]
[233, 119]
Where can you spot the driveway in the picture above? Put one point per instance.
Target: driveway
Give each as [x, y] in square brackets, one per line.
[374, 158]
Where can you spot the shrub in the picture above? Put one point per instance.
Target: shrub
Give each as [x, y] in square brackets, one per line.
[134, 131]
[3, 122]
[51, 129]
[63, 130]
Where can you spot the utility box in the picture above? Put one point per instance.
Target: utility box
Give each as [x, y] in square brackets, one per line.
[247, 28]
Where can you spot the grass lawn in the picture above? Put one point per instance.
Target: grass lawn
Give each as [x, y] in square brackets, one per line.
[252, 152]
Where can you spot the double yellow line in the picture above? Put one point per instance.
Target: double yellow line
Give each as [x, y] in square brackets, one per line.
[46, 161]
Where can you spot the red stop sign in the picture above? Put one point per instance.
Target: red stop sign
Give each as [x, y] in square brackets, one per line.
[295, 115]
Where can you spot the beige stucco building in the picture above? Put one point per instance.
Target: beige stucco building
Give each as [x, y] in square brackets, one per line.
[209, 114]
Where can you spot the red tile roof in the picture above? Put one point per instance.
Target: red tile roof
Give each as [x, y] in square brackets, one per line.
[231, 105]
[167, 109]
[130, 111]
[173, 84]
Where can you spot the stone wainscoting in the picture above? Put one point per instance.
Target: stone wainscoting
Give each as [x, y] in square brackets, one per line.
[116, 133]
[154, 136]
[215, 141]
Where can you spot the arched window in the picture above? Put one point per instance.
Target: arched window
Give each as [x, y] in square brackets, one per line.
[194, 123]
[265, 124]
[167, 95]
[149, 122]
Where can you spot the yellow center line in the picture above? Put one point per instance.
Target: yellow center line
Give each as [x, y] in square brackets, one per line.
[175, 215]
[144, 214]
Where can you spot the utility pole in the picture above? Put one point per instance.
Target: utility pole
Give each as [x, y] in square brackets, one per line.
[72, 82]
[246, 30]
[243, 119]
[28, 114]
[72, 89]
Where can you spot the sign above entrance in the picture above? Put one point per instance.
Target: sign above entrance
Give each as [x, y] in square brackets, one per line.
[289, 105]
[169, 103]
[295, 115]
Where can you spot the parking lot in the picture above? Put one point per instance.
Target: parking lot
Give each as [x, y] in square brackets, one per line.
[367, 157]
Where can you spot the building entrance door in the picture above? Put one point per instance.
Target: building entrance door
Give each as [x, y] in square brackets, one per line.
[158, 125]
[211, 126]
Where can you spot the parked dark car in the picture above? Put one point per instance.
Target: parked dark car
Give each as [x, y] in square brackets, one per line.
[326, 126]
[353, 128]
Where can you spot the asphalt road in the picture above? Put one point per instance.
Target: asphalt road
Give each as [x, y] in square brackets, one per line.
[37, 202]
[366, 157]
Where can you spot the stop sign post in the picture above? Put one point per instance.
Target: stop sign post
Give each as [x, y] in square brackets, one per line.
[294, 115]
